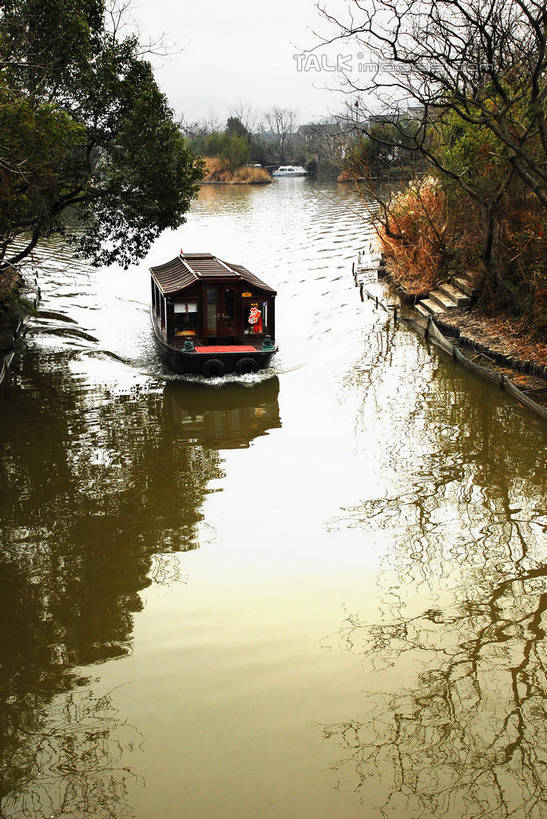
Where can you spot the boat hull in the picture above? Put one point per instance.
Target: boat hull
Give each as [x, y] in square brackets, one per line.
[214, 363]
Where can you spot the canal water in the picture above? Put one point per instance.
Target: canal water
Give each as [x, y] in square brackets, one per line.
[316, 592]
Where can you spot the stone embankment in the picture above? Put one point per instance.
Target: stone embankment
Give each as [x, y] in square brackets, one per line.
[501, 340]
[496, 345]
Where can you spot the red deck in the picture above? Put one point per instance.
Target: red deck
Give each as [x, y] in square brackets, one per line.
[232, 348]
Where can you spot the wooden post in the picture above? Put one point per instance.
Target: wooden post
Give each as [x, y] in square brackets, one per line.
[361, 291]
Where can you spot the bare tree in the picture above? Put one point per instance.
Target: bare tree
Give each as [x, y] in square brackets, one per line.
[330, 139]
[484, 61]
[194, 128]
[120, 22]
[282, 124]
[479, 63]
[247, 115]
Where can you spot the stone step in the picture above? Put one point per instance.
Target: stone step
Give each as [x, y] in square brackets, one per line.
[422, 311]
[458, 297]
[465, 284]
[432, 307]
[442, 299]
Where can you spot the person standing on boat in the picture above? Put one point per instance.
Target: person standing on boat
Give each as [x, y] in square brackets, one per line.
[255, 318]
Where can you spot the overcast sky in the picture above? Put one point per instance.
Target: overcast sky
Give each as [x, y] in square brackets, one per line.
[237, 51]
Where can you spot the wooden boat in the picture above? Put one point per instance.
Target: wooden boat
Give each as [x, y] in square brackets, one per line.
[212, 317]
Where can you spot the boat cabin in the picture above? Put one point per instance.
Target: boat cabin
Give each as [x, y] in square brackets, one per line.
[202, 304]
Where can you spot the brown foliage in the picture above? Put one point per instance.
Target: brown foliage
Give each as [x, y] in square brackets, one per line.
[349, 175]
[414, 237]
[523, 251]
[426, 234]
[217, 169]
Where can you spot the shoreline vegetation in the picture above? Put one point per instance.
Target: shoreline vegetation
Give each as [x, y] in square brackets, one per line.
[12, 309]
[472, 132]
[15, 309]
[217, 171]
[501, 341]
[509, 328]
[90, 147]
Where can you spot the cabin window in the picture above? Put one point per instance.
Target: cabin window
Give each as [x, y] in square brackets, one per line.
[185, 321]
[256, 317]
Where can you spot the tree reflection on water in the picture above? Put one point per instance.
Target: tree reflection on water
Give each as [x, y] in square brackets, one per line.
[455, 723]
[68, 761]
[466, 739]
[99, 489]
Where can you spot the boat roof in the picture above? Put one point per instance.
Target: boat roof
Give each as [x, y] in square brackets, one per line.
[187, 269]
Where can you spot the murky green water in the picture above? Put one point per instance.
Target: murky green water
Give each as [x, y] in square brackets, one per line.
[317, 593]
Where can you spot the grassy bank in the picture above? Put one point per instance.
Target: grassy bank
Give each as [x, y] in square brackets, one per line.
[217, 170]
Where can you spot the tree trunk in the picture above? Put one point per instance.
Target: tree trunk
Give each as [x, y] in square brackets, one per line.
[488, 253]
[22, 253]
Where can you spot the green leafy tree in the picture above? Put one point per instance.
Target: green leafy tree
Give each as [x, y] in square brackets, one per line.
[212, 144]
[98, 136]
[236, 151]
[235, 126]
[39, 145]
[499, 207]
[258, 151]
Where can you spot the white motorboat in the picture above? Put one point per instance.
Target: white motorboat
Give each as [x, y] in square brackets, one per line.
[290, 170]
